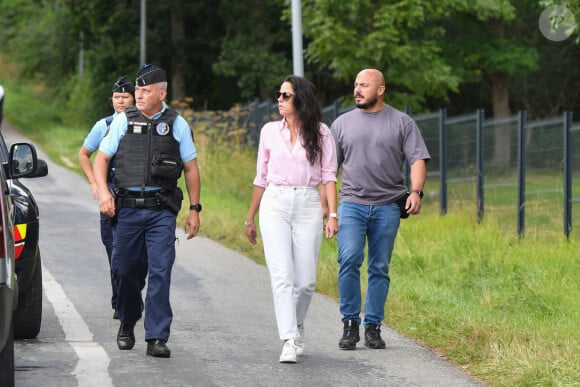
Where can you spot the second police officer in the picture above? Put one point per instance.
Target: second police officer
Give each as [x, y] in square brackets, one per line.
[122, 96]
[152, 145]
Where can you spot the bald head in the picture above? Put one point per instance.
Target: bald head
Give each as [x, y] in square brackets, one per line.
[373, 74]
[369, 90]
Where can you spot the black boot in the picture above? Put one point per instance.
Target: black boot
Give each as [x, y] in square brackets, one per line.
[126, 336]
[157, 348]
[373, 337]
[350, 335]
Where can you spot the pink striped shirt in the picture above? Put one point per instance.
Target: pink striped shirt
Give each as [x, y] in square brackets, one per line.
[280, 163]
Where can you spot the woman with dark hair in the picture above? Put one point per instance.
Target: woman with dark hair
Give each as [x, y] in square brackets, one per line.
[295, 156]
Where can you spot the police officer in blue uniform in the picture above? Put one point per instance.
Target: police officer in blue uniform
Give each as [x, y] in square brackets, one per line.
[122, 96]
[151, 145]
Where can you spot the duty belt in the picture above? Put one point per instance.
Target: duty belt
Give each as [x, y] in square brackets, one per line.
[138, 199]
[138, 202]
[123, 192]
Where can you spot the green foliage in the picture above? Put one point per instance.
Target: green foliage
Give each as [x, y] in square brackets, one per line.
[503, 308]
[255, 48]
[223, 52]
[82, 96]
[399, 38]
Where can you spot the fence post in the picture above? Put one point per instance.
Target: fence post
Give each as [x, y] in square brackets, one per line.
[567, 173]
[442, 162]
[479, 162]
[521, 172]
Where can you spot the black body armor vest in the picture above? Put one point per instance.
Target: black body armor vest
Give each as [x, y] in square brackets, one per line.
[148, 155]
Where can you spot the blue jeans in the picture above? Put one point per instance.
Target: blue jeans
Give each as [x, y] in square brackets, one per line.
[359, 223]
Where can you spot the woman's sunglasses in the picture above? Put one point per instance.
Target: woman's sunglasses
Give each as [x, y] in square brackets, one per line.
[285, 95]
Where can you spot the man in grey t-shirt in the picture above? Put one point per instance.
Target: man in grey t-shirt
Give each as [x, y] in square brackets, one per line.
[372, 143]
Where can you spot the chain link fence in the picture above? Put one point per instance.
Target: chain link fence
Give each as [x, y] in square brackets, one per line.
[509, 167]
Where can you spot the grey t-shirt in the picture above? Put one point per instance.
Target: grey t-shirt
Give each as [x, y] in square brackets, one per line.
[372, 147]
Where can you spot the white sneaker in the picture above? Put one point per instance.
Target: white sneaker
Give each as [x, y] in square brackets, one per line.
[300, 341]
[288, 352]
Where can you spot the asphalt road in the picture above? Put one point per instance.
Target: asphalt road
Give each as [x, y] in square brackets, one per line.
[224, 331]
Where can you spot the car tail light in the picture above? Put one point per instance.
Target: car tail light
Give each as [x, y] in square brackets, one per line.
[19, 239]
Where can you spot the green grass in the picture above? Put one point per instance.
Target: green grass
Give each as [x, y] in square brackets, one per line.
[503, 308]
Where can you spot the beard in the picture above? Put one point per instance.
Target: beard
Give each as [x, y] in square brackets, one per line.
[368, 104]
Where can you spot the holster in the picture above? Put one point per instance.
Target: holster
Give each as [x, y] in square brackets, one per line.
[171, 199]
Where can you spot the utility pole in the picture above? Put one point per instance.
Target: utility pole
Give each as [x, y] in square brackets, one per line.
[297, 53]
[81, 54]
[143, 35]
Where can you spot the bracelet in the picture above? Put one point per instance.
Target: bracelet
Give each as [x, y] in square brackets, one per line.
[248, 224]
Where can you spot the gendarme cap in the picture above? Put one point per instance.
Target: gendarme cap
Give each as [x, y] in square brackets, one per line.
[123, 85]
[149, 74]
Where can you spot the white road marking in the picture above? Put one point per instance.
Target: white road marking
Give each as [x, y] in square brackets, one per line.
[92, 367]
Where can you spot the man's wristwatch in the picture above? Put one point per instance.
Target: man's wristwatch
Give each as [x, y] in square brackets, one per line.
[418, 192]
[195, 207]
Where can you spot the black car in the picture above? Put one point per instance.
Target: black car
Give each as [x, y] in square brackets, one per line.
[20, 279]
[28, 315]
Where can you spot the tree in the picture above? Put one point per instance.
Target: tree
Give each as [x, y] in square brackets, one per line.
[256, 46]
[426, 49]
[490, 42]
[400, 38]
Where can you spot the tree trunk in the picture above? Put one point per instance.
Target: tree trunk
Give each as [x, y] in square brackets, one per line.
[501, 109]
[177, 89]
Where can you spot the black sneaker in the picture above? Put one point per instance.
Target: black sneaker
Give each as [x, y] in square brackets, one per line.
[350, 335]
[373, 337]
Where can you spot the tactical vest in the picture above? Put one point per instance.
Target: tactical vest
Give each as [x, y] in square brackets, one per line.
[148, 155]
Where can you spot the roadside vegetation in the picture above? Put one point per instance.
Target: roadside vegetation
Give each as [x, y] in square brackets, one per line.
[504, 309]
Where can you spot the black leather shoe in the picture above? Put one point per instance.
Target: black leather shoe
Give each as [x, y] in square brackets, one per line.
[126, 337]
[115, 315]
[350, 335]
[157, 348]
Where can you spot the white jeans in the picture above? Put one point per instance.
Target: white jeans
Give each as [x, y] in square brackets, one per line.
[291, 228]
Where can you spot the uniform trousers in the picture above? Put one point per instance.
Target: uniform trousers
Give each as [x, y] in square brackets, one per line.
[291, 228]
[107, 239]
[152, 232]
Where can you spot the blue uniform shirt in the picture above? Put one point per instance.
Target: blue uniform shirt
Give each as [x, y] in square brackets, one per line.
[96, 134]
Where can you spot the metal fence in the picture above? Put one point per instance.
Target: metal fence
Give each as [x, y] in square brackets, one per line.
[525, 179]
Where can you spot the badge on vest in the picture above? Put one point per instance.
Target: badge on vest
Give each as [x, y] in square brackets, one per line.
[137, 126]
[162, 129]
